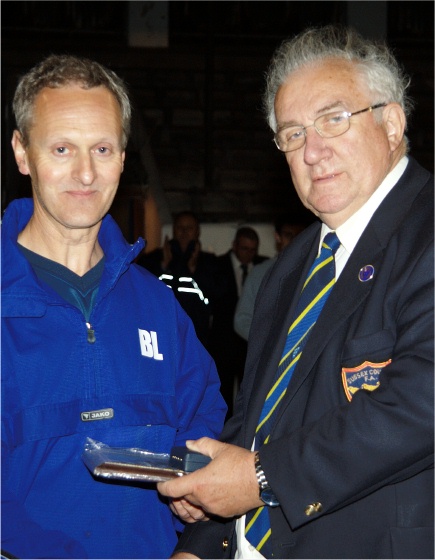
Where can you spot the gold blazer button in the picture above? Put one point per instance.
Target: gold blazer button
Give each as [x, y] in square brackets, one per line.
[225, 544]
[311, 509]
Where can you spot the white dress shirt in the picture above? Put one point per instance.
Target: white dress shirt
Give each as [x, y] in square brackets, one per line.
[238, 271]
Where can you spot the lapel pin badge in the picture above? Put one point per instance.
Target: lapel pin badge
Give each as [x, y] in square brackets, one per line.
[366, 273]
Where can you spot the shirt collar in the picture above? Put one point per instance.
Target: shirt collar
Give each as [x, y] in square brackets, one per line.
[235, 261]
[352, 229]
[237, 264]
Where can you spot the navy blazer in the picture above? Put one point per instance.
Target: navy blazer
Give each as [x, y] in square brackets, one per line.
[368, 461]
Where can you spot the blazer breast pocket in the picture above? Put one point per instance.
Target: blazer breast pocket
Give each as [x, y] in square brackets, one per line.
[376, 346]
[363, 361]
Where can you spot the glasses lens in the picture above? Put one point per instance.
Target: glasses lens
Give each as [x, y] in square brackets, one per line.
[290, 138]
[332, 124]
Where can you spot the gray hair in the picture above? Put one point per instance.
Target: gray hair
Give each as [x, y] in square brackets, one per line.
[58, 71]
[376, 63]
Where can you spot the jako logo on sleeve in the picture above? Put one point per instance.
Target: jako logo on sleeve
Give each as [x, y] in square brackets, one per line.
[148, 344]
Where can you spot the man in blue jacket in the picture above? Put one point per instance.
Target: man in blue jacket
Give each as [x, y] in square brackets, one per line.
[92, 345]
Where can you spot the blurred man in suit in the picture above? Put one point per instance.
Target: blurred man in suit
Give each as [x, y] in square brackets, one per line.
[226, 346]
[285, 231]
[189, 271]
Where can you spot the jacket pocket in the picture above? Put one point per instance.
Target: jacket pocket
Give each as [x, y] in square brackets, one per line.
[375, 347]
[363, 361]
[101, 415]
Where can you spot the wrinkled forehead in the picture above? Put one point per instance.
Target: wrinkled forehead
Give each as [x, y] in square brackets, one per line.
[65, 105]
[327, 71]
[319, 87]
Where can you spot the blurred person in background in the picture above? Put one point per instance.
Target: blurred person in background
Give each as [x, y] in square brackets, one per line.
[191, 273]
[285, 231]
[226, 346]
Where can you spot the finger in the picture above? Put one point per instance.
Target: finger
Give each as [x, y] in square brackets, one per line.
[162, 488]
[177, 487]
[180, 511]
[197, 513]
[194, 515]
[206, 446]
[187, 511]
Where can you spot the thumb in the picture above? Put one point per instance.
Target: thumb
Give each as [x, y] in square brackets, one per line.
[206, 446]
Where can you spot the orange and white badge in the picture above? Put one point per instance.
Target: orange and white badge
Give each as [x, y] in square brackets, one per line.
[365, 376]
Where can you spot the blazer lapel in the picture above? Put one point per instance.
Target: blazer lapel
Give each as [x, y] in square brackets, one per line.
[283, 291]
[340, 305]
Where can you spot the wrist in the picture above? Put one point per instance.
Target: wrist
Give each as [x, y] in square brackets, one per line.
[265, 491]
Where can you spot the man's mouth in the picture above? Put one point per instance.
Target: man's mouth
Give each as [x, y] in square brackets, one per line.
[325, 177]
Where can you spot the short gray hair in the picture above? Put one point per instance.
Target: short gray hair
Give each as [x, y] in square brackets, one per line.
[382, 73]
[57, 71]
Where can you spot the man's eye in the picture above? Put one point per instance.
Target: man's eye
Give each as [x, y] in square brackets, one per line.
[336, 118]
[102, 150]
[293, 134]
[61, 150]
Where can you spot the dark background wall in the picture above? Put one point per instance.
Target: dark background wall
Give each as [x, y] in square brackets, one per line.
[200, 140]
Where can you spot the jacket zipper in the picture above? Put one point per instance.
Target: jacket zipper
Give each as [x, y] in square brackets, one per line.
[91, 333]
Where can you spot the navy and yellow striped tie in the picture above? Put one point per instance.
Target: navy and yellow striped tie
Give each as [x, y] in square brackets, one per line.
[315, 292]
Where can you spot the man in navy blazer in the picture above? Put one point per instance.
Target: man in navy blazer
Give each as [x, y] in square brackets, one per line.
[350, 457]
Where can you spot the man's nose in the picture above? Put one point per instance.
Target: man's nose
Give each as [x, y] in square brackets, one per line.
[316, 147]
[84, 169]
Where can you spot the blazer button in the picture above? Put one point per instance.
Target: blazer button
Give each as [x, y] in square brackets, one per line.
[311, 509]
[225, 544]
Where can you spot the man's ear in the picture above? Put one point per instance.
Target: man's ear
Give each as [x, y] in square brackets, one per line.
[20, 153]
[395, 123]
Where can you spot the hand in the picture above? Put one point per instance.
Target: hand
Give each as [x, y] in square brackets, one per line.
[225, 487]
[187, 511]
[193, 260]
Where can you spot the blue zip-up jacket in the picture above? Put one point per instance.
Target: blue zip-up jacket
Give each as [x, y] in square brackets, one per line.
[146, 370]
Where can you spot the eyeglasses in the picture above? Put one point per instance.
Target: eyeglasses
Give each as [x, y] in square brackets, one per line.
[327, 126]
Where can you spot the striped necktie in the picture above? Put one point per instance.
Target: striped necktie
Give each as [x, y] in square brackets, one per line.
[315, 292]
